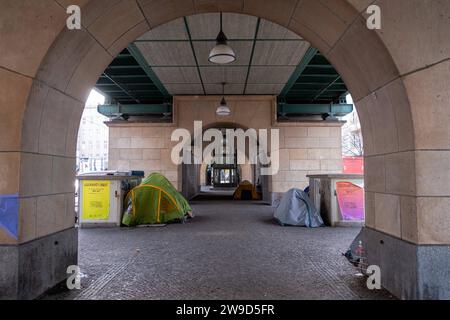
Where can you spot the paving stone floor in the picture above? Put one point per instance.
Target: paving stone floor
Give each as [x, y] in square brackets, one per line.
[231, 250]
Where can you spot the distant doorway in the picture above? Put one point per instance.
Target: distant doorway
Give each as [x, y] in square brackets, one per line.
[225, 176]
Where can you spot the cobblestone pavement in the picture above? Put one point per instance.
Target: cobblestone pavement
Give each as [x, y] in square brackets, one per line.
[231, 250]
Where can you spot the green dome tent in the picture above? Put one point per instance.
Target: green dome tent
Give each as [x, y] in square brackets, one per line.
[155, 201]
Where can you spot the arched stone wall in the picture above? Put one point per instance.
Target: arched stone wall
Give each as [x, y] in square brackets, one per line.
[398, 77]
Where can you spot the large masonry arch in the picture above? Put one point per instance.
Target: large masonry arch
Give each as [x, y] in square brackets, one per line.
[399, 77]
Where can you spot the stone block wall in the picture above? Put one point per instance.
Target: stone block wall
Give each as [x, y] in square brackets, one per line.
[145, 147]
[309, 147]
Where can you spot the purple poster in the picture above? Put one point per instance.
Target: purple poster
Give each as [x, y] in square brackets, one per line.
[351, 200]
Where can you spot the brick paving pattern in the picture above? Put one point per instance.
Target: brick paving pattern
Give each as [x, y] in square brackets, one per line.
[231, 250]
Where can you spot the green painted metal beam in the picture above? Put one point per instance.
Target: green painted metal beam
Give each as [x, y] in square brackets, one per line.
[315, 109]
[133, 91]
[214, 40]
[130, 85]
[221, 66]
[326, 88]
[111, 110]
[128, 76]
[136, 53]
[325, 66]
[122, 88]
[310, 53]
[318, 75]
[124, 67]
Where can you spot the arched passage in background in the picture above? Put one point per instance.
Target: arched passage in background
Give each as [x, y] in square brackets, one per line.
[398, 77]
[194, 175]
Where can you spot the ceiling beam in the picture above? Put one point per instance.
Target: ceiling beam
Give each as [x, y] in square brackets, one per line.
[124, 90]
[136, 92]
[221, 66]
[318, 75]
[214, 40]
[136, 53]
[325, 66]
[315, 109]
[125, 76]
[326, 88]
[310, 53]
[124, 67]
[258, 23]
[146, 84]
[133, 109]
[188, 31]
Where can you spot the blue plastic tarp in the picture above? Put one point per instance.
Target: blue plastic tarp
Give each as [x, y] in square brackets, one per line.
[296, 209]
[9, 214]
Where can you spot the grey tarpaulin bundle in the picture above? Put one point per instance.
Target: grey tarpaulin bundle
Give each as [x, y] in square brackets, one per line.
[296, 209]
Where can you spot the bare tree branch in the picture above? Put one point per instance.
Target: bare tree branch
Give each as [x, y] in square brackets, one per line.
[352, 142]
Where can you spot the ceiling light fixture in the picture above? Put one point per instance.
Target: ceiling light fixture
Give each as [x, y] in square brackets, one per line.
[222, 53]
[223, 110]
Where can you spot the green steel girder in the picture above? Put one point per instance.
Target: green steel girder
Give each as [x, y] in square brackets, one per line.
[129, 76]
[327, 87]
[136, 53]
[112, 110]
[315, 81]
[214, 40]
[111, 66]
[310, 53]
[121, 88]
[315, 109]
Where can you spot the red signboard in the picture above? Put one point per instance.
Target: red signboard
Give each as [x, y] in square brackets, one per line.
[353, 165]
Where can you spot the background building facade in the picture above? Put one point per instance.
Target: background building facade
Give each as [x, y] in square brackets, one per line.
[92, 144]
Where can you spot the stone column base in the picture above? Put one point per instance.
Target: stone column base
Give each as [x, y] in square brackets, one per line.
[408, 271]
[29, 269]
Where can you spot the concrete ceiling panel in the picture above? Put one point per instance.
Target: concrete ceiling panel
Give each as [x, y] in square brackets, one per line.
[174, 30]
[216, 89]
[236, 26]
[174, 53]
[234, 89]
[270, 30]
[264, 88]
[279, 52]
[224, 74]
[184, 89]
[172, 75]
[242, 49]
[174, 63]
[275, 75]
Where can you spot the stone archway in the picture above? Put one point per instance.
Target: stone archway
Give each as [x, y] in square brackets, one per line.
[398, 77]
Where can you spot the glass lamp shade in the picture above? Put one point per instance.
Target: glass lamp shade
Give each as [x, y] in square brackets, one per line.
[223, 109]
[222, 53]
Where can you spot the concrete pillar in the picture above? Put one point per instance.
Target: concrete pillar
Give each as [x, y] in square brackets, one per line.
[305, 149]
[400, 98]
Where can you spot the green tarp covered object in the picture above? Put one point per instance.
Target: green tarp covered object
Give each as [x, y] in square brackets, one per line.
[155, 201]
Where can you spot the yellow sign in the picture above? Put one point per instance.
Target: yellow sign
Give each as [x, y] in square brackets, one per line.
[95, 200]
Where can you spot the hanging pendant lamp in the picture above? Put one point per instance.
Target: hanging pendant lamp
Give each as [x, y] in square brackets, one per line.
[223, 109]
[222, 53]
